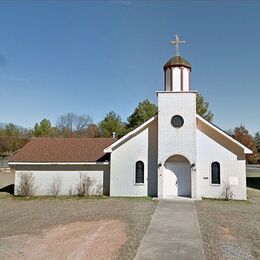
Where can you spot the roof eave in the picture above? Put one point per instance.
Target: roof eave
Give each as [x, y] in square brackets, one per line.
[246, 150]
[109, 149]
[57, 163]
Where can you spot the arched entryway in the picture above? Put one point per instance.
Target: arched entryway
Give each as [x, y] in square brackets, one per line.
[177, 176]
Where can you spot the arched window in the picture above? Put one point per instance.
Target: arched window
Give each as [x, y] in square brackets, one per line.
[215, 173]
[139, 172]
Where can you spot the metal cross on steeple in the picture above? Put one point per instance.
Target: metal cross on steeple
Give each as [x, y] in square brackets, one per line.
[177, 42]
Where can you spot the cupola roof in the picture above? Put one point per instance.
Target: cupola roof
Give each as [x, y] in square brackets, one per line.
[177, 61]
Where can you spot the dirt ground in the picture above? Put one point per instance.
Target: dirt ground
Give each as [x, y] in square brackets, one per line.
[231, 229]
[80, 240]
[58, 228]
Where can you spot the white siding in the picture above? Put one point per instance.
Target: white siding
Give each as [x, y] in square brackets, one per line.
[185, 79]
[176, 79]
[141, 147]
[69, 178]
[232, 170]
[173, 141]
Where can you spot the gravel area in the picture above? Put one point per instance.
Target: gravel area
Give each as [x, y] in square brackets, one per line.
[231, 229]
[32, 216]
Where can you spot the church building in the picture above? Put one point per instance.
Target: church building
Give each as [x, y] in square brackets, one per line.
[175, 153]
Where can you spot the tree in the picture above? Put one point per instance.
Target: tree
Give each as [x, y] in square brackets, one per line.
[12, 138]
[257, 141]
[44, 129]
[112, 123]
[202, 108]
[92, 131]
[242, 135]
[12, 130]
[72, 123]
[144, 111]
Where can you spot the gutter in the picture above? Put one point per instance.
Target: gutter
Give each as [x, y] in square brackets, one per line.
[59, 163]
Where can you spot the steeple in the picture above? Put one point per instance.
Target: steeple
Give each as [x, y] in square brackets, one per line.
[177, 71]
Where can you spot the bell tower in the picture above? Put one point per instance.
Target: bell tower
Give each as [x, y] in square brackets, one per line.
[177, 71]
[176, 125]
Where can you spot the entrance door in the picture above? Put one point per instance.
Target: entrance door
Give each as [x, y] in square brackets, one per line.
[181, 172]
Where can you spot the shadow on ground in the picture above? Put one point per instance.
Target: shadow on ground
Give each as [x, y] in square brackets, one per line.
[8, 189]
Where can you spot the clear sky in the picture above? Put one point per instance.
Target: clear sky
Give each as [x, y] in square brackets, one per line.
[93, 57]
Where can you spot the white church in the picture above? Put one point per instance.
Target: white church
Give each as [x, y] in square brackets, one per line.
[175, 153]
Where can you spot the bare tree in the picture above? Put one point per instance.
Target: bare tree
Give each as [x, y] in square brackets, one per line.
[72, 123]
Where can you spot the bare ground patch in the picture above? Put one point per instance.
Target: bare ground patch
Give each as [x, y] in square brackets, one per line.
[231, 229]
[74, 228]
[80, 240]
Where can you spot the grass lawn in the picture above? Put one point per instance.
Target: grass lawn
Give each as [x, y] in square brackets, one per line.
[231, 229]
[97, 225]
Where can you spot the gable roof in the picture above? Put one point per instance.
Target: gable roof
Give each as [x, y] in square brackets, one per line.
[46, 150]
[224, 134]
[129, 135]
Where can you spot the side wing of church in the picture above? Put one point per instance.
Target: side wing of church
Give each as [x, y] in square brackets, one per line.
[175, 153]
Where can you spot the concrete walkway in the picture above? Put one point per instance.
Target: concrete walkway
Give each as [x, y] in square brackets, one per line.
[173, 233]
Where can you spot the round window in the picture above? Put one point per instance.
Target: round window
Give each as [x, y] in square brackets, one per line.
[177, 121]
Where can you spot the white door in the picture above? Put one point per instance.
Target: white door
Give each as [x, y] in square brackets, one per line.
[177, 179]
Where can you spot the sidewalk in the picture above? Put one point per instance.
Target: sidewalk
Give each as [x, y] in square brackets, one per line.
[173, 233]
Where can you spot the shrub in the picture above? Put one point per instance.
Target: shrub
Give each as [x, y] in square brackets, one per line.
[71, 193]
[99, 190]
[55, 186]
[84, 186]
[227, 192]
[26, 186]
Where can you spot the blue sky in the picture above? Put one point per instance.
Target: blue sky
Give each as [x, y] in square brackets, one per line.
[94, 57]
